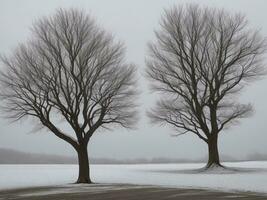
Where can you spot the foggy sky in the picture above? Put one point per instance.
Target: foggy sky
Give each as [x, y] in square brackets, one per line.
[133, 22]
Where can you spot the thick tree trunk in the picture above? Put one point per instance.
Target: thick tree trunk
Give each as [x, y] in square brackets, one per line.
[84, 172]
[214, 159]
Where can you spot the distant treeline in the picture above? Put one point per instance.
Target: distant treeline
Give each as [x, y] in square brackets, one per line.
[8, 156]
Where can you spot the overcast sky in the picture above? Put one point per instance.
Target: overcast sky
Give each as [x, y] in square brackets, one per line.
[133, 22]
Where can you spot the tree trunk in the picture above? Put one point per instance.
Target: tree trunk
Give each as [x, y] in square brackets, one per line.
[84, 172]
[214, 159]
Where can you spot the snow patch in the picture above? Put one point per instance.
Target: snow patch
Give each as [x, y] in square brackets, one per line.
[238, 176]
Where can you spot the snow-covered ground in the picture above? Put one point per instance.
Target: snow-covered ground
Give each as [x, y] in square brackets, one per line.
[247, 176]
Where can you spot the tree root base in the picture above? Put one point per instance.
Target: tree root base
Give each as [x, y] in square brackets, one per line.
[214, 166]
[84, 182]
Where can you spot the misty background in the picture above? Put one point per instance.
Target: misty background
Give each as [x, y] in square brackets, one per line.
[133, 22]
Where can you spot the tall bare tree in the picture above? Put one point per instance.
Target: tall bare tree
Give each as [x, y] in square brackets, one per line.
[71, 70]
[201, 60]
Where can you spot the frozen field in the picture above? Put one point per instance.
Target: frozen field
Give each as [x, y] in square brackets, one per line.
[246, 176]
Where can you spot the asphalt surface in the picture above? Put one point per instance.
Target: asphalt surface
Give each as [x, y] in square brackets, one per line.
[122, 192]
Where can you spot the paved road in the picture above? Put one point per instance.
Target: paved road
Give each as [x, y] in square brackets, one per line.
[121, 192]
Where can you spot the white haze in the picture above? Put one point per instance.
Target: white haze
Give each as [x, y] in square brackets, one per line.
[134, 22]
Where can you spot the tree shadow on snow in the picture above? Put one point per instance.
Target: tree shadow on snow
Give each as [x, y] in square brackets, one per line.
[214, 170]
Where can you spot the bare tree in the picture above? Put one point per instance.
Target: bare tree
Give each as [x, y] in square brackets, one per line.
[201, 60]
[71, 70]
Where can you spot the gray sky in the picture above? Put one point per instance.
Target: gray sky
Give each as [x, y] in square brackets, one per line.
[133, 22]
